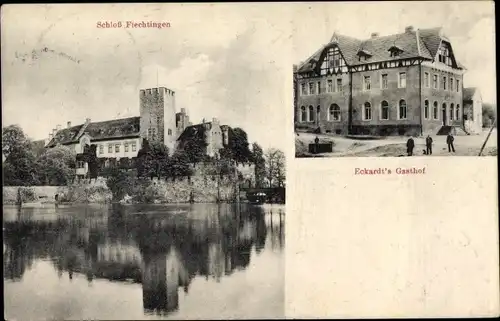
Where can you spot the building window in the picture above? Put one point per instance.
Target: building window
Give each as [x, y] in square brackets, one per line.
[444, 83]
[402, 109]
[444, 55]
[80, 164]
[458, 85]
[169, 132]
[339, 84]
[426, 109]
[367, 111]
[443, 110]
[334, 113]
[311, 113]
[117, 148]
[367, 83]
[303, 89]
[319, 87]
[383, 82]
[101, 149]
[110, 148]
[384, 110]
[126, 147]
[451, 84]
[435, 81]
[303, 114]
[330, 85]
[311, 88]
[318, 110]
[452, 111]
[427, 80]
[458, 112]
[402, 80]
[134, 147]
[435, 110]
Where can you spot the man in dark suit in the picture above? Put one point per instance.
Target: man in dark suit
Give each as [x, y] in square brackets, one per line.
[428, 145]
[449, 141]
[410, 144]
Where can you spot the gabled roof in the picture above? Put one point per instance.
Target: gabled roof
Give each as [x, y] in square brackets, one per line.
[111, 129]
[468, 93]
[422, 43]
[194, 130]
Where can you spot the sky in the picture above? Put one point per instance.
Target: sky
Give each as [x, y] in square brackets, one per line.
[223, 61]
[470, 26]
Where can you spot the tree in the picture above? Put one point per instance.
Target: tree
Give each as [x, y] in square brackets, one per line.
[179, 165]
[260, 164]
[238, 145]
[20, 166]
[275, 167]
[119, 183]
[489, 114]
[152, 159]
[57, 166]
[195, 148]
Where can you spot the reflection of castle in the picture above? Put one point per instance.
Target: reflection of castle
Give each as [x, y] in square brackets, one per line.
[162, 259]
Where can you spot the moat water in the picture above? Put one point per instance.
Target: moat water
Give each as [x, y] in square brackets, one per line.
[143, 262]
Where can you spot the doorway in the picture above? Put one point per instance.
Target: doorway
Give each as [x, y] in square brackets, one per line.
[445, 119]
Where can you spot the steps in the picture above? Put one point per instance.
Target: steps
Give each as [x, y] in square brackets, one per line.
[454, 130]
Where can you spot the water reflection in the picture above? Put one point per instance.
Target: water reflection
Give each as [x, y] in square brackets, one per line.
[162, 248]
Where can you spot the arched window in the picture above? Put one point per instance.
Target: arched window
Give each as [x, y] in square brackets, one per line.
[402, 109]
[443, 111]
[426, 109]
[367, 111]
[435, 110]
[384, 110]
[458, 112]
[334, 113]
[452, 111]
[318, 111]
[311, 113]
[303, 114]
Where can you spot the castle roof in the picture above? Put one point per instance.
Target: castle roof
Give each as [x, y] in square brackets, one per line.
[469, 93]
[422, 43]
[110, 129]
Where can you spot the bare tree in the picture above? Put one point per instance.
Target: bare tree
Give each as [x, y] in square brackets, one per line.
[275, 167]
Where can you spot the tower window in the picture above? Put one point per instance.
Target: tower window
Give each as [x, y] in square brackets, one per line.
[169, 132]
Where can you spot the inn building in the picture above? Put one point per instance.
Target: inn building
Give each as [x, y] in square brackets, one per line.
[404, 84]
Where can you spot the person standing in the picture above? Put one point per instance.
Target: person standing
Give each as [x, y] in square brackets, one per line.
[428, 145]
[449, 141]
[410, 144]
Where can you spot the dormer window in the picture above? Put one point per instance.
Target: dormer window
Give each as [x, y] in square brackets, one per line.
[395, 51]
[444, 55]
[363, 55]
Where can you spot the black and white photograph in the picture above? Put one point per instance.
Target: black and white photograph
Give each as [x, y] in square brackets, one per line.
[372, 85]
[143, 161]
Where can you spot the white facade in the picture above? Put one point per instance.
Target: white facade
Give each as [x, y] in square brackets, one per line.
[474, 110]
[123, 148]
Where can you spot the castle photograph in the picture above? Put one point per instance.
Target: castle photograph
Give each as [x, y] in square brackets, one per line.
[144, 170]
[417, 89]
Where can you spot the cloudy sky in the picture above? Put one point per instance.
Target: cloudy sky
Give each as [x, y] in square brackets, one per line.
[223, 61]
[470, 26]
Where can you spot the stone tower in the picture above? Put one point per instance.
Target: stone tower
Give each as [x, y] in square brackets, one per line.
[157, 111]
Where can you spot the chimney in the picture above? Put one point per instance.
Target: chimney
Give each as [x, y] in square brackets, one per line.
[58, 127]
[215, 120]
[374, 35]
[409, 29]
[54, 131]
[87, 121]
[69, 124]
[183, 110]
[51, 136]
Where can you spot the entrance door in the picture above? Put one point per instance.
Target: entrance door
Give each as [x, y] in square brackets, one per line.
[445, 119]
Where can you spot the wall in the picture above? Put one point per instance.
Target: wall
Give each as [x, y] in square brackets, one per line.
[41, 193]
[393, 94]
[439, 95]
[324, 100]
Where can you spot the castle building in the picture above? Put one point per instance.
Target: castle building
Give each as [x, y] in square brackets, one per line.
[158, 121]
[404, 84]
[473, 111]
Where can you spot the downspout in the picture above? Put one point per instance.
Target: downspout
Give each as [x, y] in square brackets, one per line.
[420, 97]
[420, 83]
[349, 113]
